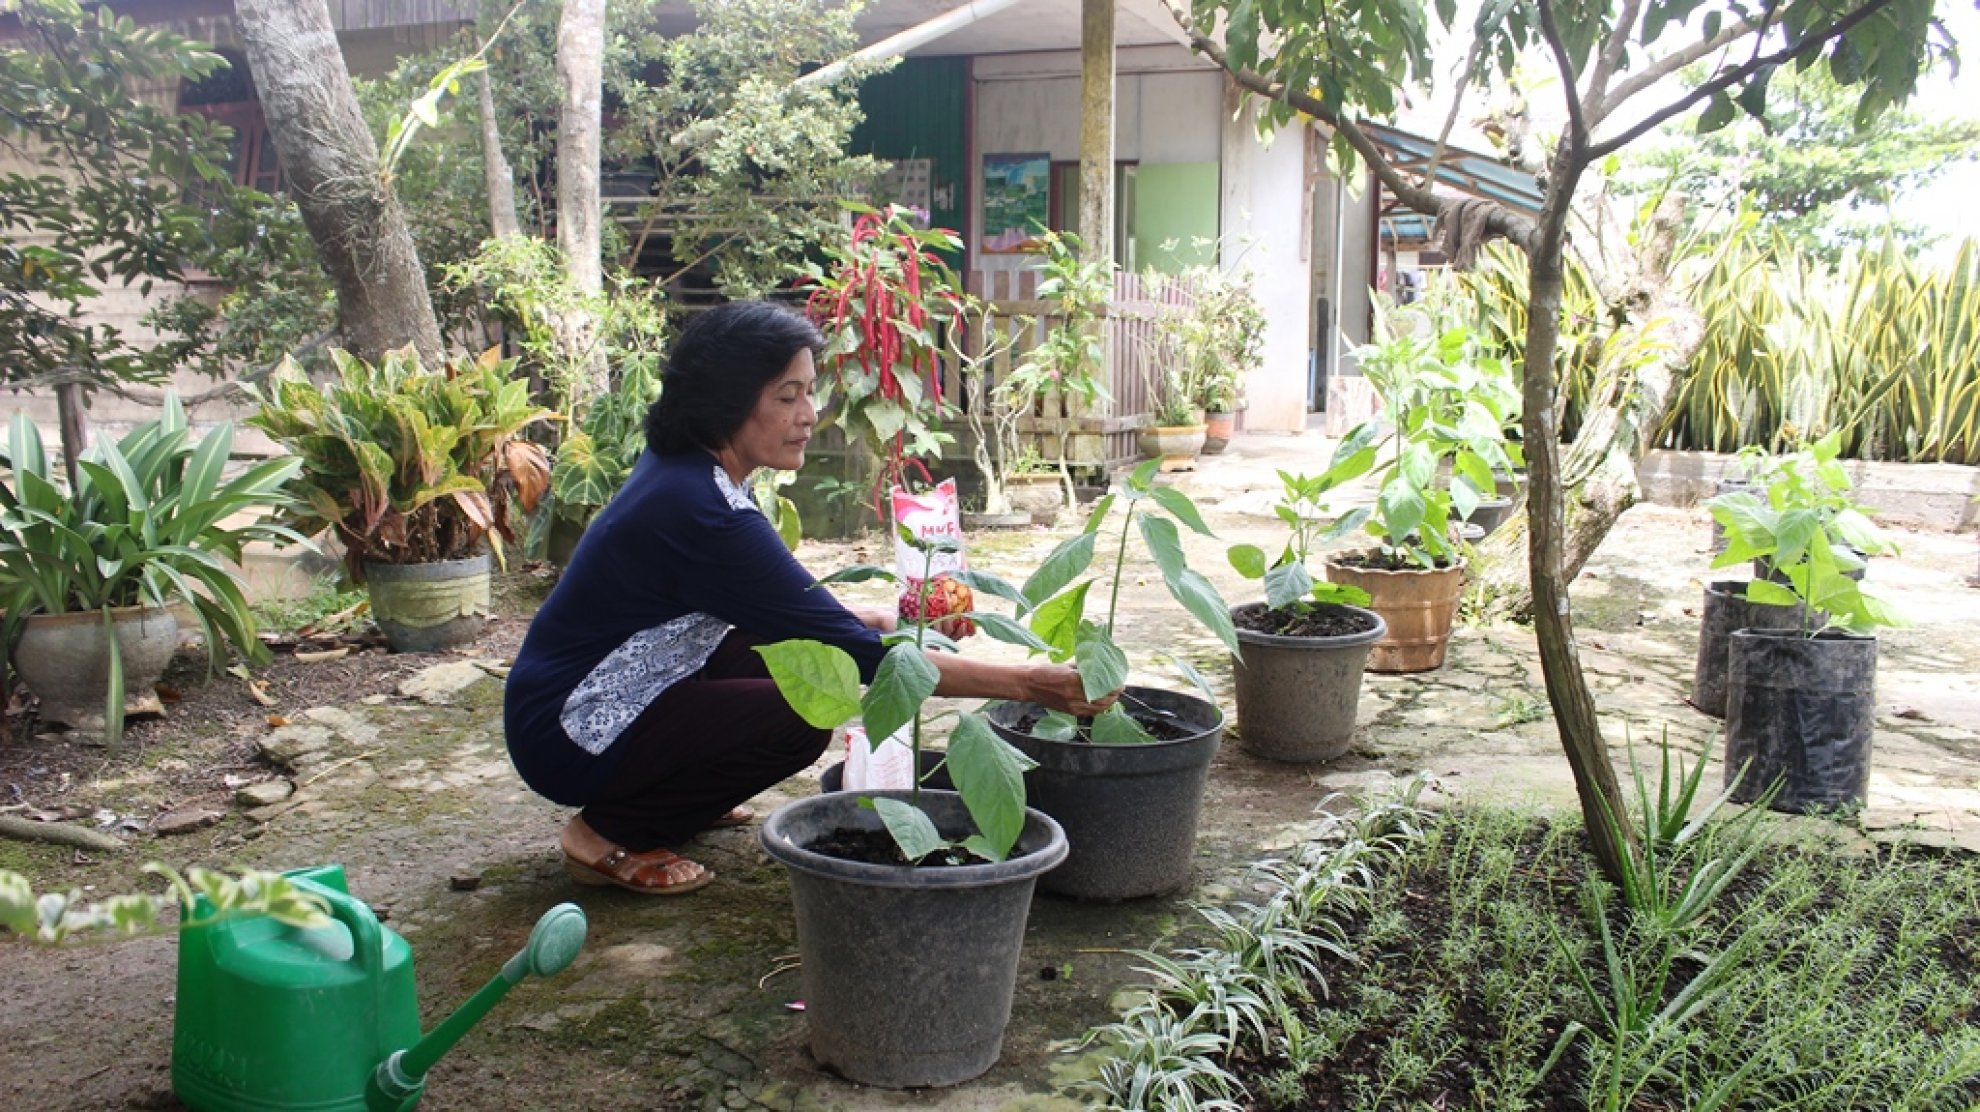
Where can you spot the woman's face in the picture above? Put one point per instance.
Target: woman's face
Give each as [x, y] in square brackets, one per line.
[780, 426]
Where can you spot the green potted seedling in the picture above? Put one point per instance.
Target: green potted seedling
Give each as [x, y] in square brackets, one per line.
[1305, 646]
[1128, 784]
[1444, 403]
[1801, 701]
[917, 898]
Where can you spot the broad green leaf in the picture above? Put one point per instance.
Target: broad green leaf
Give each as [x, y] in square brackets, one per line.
[1099, 513]
[1286, 584]
[1248, 559]
[1103, 667]
[1178, 503]
[983, 582]
[913, 831]
[904, 680]
[1164, 542]
[1057, 622]
[1116, 728]
[819, 681]
[859, 573]
[1201, 599]
[1142, 479]
[1056, 726]
[1011, 632]
[1766, 592]
[989, 774]
[1065, 564]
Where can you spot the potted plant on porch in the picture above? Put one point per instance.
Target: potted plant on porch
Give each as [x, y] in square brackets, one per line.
[1801, 701]
[911, 905]
[1127, 785]
[1211, 322]
[93, 580]
[414, 471]
[1443, 400]
[1305, 646]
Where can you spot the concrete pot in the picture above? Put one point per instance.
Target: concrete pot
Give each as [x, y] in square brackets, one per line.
[1296, 696]
[1129, 811]
[1041, 496]
[1419, 607]
[427, 608]
[1802, 711]
[908, 973]
[1176, 446]
[1217, 430]
[65, 660]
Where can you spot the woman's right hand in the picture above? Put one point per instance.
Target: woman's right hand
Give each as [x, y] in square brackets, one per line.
[1058, 687]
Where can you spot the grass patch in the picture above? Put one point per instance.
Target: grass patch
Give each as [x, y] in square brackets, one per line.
[1473, 960]
[326, 600]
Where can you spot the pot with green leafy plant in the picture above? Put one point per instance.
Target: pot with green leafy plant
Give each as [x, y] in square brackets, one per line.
[911, 904]
[597, 457]
[93, 580]
[1126, 785]
[1801, 701]
[414, 471]
[1443, 400]
[1305, 646]
[1213, 324]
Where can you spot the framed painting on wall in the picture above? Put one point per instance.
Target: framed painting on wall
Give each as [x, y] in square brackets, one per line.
[1017, 201]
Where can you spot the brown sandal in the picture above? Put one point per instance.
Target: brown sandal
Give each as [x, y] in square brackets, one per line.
[657, 872]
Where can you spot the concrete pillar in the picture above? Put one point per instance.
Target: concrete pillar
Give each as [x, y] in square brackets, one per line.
[1264, 216]
[1096, 128]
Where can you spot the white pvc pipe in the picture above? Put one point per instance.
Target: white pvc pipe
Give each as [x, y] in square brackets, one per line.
[904, 41]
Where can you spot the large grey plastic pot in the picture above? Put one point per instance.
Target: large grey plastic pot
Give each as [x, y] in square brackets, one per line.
[1802, 710]
[908, 973]
[427, 608]
[65, 660]
[1130, 811]
[1491, 513]
[1727, 610]
[1296, 696]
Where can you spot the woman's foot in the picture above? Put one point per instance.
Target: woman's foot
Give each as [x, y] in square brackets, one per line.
[738, 815]
[594, 861]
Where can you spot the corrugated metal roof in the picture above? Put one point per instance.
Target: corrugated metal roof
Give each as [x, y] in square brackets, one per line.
[1480, 175]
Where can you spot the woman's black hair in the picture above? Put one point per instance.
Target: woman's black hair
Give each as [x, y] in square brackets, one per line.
[718, 368]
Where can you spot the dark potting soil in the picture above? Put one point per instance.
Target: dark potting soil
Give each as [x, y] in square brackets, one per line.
[1160, 727]
[876, 847]
[1316, 622]
[1382, 561]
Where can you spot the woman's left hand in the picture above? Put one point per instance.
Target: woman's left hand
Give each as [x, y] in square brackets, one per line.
[876, 617]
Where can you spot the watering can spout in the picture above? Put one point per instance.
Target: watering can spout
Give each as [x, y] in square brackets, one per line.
[399, 1080]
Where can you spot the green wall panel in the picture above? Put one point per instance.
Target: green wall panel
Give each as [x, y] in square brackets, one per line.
[918, 109]
[1175, 201]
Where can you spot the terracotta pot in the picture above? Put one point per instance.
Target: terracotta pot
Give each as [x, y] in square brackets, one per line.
[1177, 446]
[65, 660]
[1217, 430]
[1419, 606]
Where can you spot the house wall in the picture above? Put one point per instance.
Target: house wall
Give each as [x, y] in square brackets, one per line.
[1265, 218]
[1343, 248]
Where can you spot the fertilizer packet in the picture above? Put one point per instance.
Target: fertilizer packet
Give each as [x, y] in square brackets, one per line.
[890, 765]
[936, 514]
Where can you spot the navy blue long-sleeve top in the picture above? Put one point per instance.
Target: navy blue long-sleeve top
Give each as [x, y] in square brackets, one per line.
[679, 556]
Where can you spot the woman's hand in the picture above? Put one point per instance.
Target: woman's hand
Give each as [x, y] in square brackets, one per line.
[1058, 687]
[876, 617]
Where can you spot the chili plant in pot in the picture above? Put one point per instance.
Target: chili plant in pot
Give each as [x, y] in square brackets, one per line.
[94, 581]
[1801, 701]
[1305, 646]
[415, 472]
[1128, 784]
[910, 905]
[1443, 401]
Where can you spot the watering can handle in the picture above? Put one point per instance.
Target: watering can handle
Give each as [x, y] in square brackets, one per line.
[367, 939]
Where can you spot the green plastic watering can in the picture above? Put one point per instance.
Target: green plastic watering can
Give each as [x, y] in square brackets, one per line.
[273, 1018]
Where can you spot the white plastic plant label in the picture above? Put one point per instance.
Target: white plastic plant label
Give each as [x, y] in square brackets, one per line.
[887, 766]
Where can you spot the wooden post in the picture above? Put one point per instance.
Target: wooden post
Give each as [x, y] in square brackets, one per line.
[1096, 128]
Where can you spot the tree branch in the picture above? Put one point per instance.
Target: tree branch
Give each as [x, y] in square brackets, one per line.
[1611, 57]
[1577, 136]
[1723, 81]
[1500, 220]
[1671, 63]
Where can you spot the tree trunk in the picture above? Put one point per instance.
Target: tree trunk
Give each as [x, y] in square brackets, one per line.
[331, 163]
[1096, 129]
[502, 219]
[72, 427]
[1560, 663]
[1629, 404]
[580, 72]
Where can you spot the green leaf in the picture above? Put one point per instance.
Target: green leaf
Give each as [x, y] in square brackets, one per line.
[913, 831]
[1116, 728]
[1164, 542]
[858, 573]
[1178, 503]
[1098, 514]
[1248, 559]
[1190, 588]
[983, 582]
[1286, 584]
[1056, 725]
[905, 680]
[1103, 667]
[819, 681]
[1766, 592]
[1011, 632]
[1718, 113]
[1057, 622]
[989, 773]
[1065, 564]
[1142, 480]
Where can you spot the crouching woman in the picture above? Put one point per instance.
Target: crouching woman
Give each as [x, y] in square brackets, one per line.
[637, 696]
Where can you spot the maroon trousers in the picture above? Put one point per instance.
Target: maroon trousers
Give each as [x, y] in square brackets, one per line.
[708, 743]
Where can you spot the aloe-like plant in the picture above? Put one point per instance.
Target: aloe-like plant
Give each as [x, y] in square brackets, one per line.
[1288, 583]
[821, 683]
[1052, 602]
[150, 522]
[1808, 531]
[407, 465]
[1443, 401]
